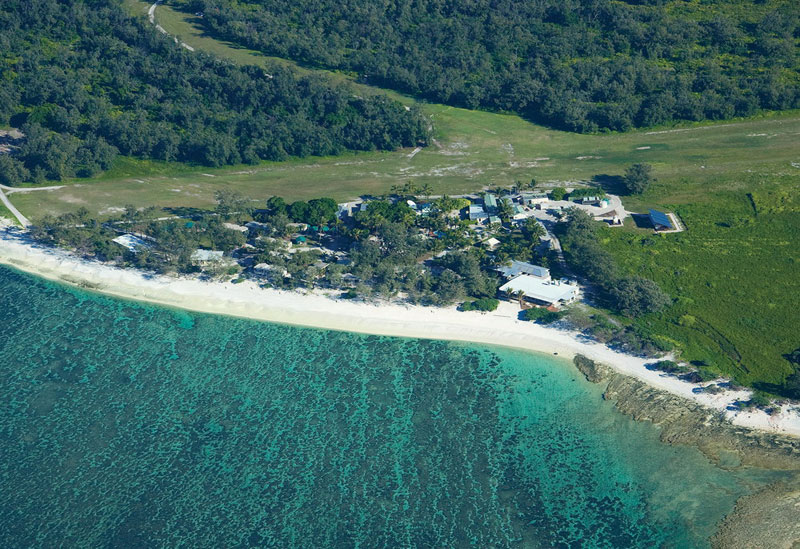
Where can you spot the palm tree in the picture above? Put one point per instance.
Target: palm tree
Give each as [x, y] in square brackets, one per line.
[520, 296]
[534, 229]
[426, 190]
[504, 209]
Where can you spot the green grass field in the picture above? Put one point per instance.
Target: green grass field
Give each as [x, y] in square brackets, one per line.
[735, 273]
[4, 212]
[474, 150]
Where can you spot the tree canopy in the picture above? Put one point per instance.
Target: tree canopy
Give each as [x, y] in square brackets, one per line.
[85, 82]
[638, 178]
[580, 65]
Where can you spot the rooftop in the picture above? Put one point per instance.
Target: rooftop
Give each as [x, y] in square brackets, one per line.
[133, 243]
[660, 219]
[540, 290]
[520, 267]
[206, 255]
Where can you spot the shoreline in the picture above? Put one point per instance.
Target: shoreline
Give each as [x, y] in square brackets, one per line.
[317, 310]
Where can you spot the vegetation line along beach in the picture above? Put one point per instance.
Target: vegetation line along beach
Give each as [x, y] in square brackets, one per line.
[501, 327]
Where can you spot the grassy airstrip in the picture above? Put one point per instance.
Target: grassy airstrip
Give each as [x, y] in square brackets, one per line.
[735, 273]
[475, 150]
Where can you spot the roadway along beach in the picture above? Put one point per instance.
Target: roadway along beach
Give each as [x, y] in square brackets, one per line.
[247, 299]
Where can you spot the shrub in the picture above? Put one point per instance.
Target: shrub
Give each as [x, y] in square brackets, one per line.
[636, 296]
[638, 178]
[669, 366]
[541, 316]
[349, 294]
[558, 193]
[483, 304]
[760, 399]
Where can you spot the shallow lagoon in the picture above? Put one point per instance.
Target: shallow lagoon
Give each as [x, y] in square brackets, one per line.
[125, 425]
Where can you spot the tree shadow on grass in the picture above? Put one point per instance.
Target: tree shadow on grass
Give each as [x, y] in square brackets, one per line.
[642, 221]
[612, 184]
[775, 389]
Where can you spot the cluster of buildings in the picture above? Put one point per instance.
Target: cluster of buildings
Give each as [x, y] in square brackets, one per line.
[521, 280]
[485, 211]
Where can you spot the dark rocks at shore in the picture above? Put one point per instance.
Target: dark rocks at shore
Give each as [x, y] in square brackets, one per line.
[766, 519]
[683, 421]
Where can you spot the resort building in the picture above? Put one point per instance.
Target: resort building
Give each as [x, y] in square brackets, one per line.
[200, 256]
[541, 292]
[520, 267]
[490, 201]
[131, 242]
[491, 244]
[477, 213]
[530, 199]
[347, 209]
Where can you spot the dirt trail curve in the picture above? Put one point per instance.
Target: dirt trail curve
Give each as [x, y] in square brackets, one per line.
[151, 15]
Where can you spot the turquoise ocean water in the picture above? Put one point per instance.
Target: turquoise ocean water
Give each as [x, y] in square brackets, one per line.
[125, 425]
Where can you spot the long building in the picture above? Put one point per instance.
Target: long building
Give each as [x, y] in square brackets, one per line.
[541, 292]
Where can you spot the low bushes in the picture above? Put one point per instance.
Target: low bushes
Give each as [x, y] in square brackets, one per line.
[483, 304]
[542, 316]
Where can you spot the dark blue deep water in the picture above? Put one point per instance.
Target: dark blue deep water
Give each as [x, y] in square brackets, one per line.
[125, 425]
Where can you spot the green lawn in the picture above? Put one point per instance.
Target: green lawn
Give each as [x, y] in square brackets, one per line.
[735, 273]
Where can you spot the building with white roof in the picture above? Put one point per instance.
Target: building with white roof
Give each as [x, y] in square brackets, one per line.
[520, 267]
[535, 289]
[477, 213]
[206, 256]
[131, 242]
[491, 243]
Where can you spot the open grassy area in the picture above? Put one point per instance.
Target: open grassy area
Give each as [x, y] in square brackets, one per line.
[474, 150]
[735, 273]
[4, 212]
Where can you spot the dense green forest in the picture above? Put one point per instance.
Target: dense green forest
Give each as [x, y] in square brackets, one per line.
[579, 65]
[84, 81]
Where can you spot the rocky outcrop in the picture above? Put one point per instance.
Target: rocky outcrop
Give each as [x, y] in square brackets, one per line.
[592, 371]
[685, 422]
[767, 519]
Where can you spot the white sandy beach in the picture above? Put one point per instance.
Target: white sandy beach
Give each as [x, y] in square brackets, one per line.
[247, 299]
